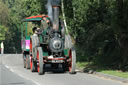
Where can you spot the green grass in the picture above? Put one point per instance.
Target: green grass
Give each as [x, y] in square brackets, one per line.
[86, 65]
[116, 73]
[81, 65]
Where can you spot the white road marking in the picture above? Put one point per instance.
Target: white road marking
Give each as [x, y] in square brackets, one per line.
[21, 75]
[7, 66]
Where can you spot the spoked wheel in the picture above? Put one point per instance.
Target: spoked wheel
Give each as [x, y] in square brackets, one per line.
[24, 59]
[27, 62]
[40, 64]
[72, 63]
[32, 65]
[34, 42]
[68, 41]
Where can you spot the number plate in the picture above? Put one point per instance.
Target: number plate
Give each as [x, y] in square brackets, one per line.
[57, 61]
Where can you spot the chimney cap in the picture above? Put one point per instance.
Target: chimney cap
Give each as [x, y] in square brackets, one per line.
[56, 3]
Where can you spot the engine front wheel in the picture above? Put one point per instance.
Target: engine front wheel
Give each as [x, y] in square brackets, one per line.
[32, 65]
[40, 65]
[72, 63]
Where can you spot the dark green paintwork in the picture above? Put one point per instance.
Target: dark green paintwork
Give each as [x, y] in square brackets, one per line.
[45, 54]
[40, 39]
[44, 31]
[66, 52]
[27, 37]
[27, 50]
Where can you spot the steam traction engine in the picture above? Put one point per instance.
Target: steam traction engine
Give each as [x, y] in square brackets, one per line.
[52, 45]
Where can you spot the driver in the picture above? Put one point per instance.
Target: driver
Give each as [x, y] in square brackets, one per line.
[34, 29]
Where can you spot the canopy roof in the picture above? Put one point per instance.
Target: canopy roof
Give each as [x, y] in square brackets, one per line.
[34, 18]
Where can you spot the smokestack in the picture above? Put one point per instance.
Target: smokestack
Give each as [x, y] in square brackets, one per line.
[49, 9]
[55, 6]
[56, 18]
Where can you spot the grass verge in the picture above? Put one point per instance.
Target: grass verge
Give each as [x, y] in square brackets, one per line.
[116, 73]
[86, 65]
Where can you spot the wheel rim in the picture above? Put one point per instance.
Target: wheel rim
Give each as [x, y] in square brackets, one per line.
[38, 64]
[30, 62]
[40, 61]
[70, 63]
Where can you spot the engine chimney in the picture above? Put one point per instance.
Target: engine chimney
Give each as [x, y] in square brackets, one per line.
[56, 6]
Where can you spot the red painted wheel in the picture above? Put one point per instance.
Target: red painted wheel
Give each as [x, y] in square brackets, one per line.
[38, 60]
[72, 63]
[40, 64]
[32, 63]
[30, 46]
[34, 43]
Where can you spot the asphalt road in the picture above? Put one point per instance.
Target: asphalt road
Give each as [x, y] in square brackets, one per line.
[13, 73]
[8, 77]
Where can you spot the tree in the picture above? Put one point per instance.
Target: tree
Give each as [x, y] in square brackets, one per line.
[4, 13]
[121, 30]
[18, 10]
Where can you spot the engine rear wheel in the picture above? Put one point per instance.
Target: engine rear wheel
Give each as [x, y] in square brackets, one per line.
[72, 64]
[33, 52]
[68, 42]
[40, 64]
[33, 44]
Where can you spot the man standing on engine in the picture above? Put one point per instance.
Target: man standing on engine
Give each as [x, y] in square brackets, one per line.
[45, 22]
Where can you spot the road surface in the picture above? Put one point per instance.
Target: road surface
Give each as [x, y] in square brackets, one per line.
[13, 73]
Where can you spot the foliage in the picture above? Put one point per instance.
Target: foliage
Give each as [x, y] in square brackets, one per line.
[16, 11]
[4, 13]
[99, 27]
[3, 32]
[96, 27]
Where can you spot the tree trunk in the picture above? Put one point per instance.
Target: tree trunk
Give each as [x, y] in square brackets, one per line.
[122, 33]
